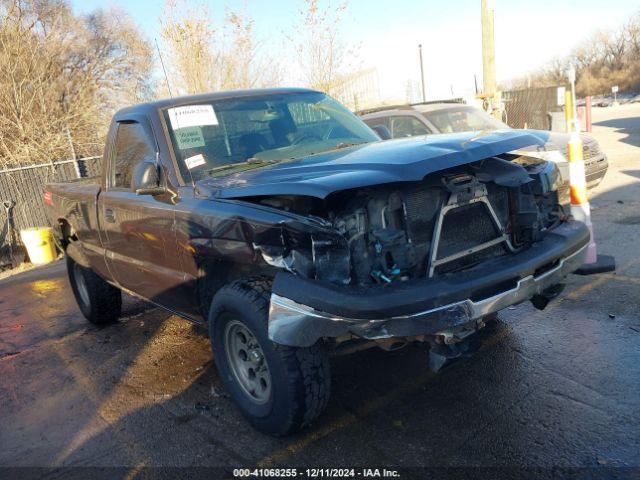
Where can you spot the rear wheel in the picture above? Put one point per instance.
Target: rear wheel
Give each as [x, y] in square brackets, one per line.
[279, 389]
[99, 301]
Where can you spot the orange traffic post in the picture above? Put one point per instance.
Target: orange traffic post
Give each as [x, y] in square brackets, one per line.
[580, 208]
[568, 110]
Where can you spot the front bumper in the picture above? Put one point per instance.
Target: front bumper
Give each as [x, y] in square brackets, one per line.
[309, 311]
[595, 170]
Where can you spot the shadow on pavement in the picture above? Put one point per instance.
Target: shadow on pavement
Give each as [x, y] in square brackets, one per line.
[627, 126]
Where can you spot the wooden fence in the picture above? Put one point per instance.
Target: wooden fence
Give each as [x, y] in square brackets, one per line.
[23, 187]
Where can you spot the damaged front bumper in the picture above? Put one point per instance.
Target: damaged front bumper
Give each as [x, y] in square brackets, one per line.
[303, 311]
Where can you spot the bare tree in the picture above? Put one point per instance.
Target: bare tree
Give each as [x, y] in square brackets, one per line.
[60, 75]
[187, 35]
[202, 58]
[243, 61]
[605, 59]
[632, 32]
[323, 56]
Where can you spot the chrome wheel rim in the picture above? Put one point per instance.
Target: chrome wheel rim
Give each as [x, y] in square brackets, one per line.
[81, 284]
[247, 362]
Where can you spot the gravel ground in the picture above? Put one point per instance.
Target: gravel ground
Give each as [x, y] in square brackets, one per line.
[557, 388]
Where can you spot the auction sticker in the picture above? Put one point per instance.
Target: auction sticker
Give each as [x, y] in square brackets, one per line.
[195, 161]
[189, 137]
[192, 116]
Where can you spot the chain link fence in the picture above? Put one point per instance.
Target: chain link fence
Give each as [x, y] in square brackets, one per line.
[22, 201]
[533, 107]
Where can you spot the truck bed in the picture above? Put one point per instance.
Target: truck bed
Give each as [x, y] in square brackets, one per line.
[76, 203]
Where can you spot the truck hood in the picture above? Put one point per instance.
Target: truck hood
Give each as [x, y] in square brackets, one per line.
[402, 160]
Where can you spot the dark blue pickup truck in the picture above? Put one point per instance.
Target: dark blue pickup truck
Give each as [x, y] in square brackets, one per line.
[282, 222]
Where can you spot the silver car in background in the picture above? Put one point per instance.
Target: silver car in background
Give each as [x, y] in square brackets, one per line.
[451, 117]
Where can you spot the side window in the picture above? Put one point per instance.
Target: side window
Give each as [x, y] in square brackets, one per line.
[407, 127]
[132, 146]
[372, 122]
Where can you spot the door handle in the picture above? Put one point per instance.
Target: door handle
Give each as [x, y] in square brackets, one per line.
[109, 215]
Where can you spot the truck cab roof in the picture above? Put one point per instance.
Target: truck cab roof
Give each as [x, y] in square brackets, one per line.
[151, 107]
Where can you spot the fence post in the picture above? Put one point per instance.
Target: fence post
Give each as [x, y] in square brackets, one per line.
[73, 154]
[587, 106]
[10, 235]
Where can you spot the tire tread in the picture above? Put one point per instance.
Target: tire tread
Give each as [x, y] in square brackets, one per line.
[106, 300]
[309, 379]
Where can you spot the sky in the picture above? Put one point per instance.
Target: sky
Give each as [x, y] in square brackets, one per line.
[527, 34]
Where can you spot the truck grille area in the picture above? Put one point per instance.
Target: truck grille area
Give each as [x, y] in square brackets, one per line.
[442, 225]
[464, 228]
[471, 260]
[422, 207]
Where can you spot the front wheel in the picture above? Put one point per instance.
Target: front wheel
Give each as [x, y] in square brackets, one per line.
[279, 389]
[99, 301]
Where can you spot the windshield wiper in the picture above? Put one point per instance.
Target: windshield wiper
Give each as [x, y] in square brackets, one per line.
[258, 161]
[342, 145]
[250, 163]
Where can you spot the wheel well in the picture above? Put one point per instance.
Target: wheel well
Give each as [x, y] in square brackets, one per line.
[215, 274]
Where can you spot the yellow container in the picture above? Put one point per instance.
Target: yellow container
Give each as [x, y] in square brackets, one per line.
[39, 243]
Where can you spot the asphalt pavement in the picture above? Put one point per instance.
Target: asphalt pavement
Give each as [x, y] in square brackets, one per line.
[548, 389]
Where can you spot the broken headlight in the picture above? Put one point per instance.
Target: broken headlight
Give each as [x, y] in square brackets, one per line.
[331, 258]
[320, 255]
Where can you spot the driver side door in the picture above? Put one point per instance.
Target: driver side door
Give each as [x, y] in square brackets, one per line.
[139, 230]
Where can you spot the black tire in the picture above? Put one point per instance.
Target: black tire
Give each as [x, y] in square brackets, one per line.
[300, 377]
[102, 302]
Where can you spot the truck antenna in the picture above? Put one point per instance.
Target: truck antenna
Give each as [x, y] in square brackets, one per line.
[166, 78]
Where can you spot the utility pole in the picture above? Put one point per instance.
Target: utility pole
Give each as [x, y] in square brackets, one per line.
[490, 95]
[488, 49]
[424, 96]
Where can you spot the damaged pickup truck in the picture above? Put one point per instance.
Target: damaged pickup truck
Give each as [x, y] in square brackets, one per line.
[278, 219]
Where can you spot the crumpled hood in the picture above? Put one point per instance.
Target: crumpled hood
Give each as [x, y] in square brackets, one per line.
[376, 163]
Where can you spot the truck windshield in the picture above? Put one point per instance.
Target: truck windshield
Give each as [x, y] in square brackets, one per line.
[226, 136]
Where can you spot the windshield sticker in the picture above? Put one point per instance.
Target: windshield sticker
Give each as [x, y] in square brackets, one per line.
[195, 161]
[192, 116]
[189, 137]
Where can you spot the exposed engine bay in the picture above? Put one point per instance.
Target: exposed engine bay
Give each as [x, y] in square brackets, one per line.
[452, 221]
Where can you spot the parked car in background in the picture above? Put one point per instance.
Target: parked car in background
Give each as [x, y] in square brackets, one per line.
[451, 117]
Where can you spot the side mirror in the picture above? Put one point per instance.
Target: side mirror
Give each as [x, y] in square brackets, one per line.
[382, 131]
[146, 179]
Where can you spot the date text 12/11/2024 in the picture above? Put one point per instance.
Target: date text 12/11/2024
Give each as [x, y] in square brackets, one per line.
[315, 473]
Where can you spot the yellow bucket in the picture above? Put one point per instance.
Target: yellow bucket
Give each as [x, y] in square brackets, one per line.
[39, 243]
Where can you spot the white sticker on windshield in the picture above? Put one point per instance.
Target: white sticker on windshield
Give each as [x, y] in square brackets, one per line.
[195, 161]
[189, 137]
[192, 116]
